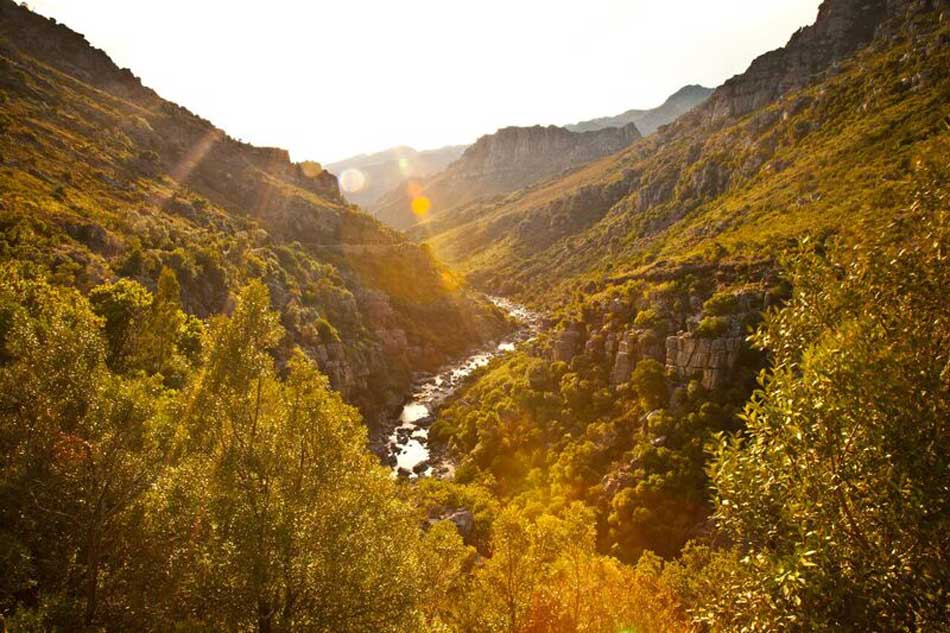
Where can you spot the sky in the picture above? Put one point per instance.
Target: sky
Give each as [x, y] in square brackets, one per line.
[331, 79]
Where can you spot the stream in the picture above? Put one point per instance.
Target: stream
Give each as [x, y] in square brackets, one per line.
[409, 441]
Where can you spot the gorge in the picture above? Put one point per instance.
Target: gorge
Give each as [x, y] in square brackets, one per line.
[682, 369]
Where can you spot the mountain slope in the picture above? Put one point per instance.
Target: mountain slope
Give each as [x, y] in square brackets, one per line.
[803, 140]
[379, 173]
[497, 163]
[655, 264]
[102, 178]
[648, 121]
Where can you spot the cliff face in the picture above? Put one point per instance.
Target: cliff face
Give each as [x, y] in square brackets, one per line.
[509, 159]
[842, 27]
[648, 121]
[109, 180]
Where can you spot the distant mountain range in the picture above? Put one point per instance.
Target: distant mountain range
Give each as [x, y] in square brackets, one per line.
[509, 159]
[381, 172]
[648, 121]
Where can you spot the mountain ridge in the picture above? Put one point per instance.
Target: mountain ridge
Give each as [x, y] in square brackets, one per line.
[649, 120]
[380, 172]
[500, 162]
[639, 194]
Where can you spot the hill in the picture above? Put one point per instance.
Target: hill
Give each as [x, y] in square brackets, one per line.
[101, 178]
[649, 121]
[377, 174]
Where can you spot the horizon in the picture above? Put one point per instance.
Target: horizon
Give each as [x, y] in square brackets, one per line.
[256, 94]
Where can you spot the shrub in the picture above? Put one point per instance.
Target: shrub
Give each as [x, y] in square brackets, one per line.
[712, 326]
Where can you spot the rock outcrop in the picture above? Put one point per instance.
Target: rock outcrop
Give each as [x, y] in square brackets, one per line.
[509, 159]
[842, 27]
[713, 358]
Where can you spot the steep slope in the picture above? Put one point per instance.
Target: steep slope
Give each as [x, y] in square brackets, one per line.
[507, 160]
[376, 174]
[648, 121]
[102, 178]
[654, 265]
[805, 139]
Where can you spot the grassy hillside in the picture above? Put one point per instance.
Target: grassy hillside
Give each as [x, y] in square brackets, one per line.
[101, 178]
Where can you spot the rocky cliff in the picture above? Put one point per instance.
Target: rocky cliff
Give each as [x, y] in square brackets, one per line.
[842, 27]
[648, 121]
[509, 159]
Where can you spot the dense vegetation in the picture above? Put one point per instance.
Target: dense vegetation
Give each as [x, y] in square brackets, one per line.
[736, 419]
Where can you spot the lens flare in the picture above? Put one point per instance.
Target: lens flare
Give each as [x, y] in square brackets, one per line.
[404, 166]
[414, 189]
[421, 205]
[352, 180]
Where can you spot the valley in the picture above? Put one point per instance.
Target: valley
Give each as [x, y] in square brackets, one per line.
[407, 449]
[680, 369]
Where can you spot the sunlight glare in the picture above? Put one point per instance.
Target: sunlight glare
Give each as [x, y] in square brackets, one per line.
[421, 205]
[352, 180]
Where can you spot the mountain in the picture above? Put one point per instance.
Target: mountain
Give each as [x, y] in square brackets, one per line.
[103, 179]
[378, 173]
[773, 151]
[648, 121]
[509, 159]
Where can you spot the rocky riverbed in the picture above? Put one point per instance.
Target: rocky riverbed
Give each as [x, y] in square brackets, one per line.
[407, 448]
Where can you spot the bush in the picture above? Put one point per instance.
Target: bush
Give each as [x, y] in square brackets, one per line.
[712, 326]
[721, 304]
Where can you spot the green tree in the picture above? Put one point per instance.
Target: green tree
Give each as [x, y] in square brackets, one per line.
[76, 455]
[162, 325]
[649, 380]
[292, 524]
[123, 305]
[837, 494]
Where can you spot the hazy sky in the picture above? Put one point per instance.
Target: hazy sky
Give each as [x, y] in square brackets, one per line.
[330, 79]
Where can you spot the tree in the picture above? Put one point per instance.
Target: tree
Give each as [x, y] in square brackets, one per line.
[292, 525]
[837, 494]
[162, 325]
[649, 380]
[123, 305]
[75, 446]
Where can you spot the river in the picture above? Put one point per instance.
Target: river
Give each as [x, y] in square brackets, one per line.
[409, 441]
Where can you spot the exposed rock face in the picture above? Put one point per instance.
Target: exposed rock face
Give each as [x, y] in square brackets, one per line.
[463, 519]
[841, 28]
[507, 160]
[634, 345]
[567, 343]
[714, 358]
[647, 121]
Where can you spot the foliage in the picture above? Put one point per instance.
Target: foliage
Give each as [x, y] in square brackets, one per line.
[242, 501]
[837, 491]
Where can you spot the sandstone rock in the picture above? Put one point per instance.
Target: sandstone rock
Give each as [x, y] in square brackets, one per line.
[567, 342]
[714, 358]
